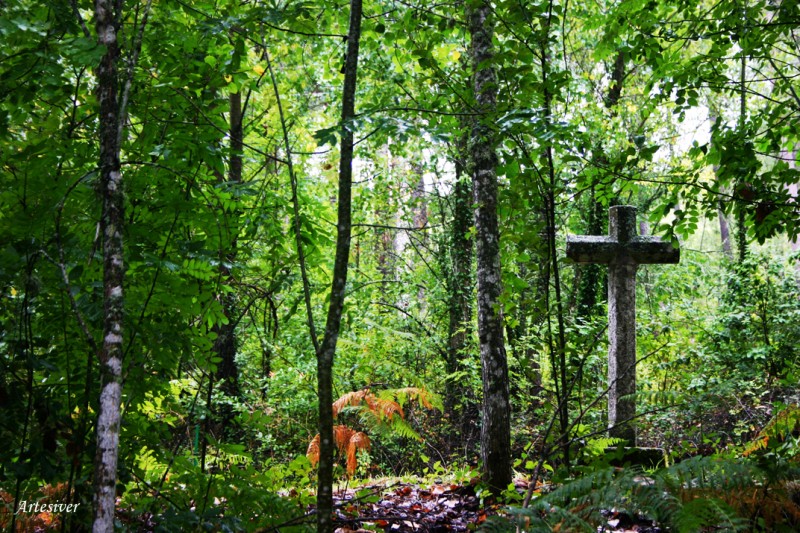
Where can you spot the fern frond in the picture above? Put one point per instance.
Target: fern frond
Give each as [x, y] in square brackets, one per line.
[359, 441]
[781, 426]
[342, 436]
[426, 398]
[351, 398]
[313, 451]
[657, 397]
[701, 513]
[691, 496]
[597, 446]
[404, 429]
[384, 408]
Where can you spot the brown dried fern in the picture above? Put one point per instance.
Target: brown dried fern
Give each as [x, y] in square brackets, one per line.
[359, 441]
[381, 408]
[313, 451]
[350, 398]
[384, 408]
[423, 396]
[348, 442]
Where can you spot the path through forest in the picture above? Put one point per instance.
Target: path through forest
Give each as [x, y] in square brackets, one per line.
[440, 507]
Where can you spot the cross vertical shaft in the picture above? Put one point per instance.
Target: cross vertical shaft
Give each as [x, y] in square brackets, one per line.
[623, 251]
[621, 349]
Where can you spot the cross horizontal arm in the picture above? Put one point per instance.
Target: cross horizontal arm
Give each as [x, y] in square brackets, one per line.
[639, 250]
[591, 248]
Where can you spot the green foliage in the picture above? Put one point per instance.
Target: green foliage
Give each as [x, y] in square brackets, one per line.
[759, 323]
[718, 342]
[689, 496]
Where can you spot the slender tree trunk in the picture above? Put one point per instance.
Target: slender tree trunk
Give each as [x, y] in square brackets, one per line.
[791, 155]
[327, 349]
[225, 343]
[385, 243]
[597, 219]
[591, 276]
[724, 226]
[496, 420]
[741, 227]
[112, 220]
[522, 350]
[387, 250]
[725, 234]
[558, 345]
[419, 200]
[459, 285]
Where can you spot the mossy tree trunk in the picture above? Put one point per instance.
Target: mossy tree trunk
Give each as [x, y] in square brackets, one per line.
[496, 424]
[225, 343]
[327, 349]
[459, 289]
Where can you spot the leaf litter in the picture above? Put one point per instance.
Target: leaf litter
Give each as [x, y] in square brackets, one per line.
[407, 507]
[441, 507]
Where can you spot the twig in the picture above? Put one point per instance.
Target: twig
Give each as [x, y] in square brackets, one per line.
[301, 257]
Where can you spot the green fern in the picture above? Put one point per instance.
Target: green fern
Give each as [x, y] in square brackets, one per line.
[780, 429]
[701, 492]
[657, 397]
[708, 512]
[596, 447]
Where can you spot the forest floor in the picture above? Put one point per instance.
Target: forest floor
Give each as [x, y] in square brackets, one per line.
[439, 507]
[409, 507]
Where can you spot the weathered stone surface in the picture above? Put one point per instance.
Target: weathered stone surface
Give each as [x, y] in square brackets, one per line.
[621, 350]
[622, 250]
[605, 250]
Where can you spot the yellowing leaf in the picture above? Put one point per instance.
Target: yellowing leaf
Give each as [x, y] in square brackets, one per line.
[313, 451]
[258, 69]
[456, 55]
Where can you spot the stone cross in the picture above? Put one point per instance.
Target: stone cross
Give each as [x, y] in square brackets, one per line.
[623, 251]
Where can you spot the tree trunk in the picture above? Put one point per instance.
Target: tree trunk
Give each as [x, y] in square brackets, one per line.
[419, 203]
[791, 155]
[327, 349]
[496, 424]
[724, 226]
[725, 233]
[593, 276]
[111, 223]
[741, 226]
[419, 200]
[225, 343]
[459, 288]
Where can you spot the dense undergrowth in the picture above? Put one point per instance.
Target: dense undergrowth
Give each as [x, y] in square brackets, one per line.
[229, 150]
[720, 398]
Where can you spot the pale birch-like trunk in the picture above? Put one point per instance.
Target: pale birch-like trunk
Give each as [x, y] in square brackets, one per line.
[724, 226]
[112, 220]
